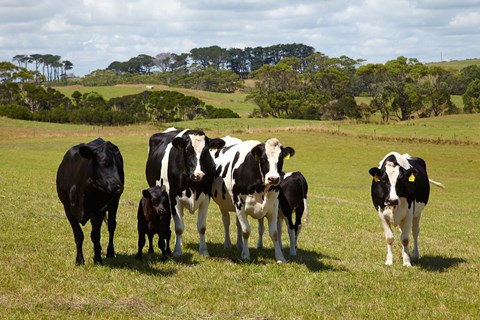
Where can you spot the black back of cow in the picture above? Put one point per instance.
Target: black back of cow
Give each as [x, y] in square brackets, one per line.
[412, 183]
[90, 181]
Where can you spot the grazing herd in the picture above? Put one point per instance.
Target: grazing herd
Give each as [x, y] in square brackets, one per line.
[185, 169]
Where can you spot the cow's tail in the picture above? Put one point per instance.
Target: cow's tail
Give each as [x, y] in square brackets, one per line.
[306, 215]
[438, 184]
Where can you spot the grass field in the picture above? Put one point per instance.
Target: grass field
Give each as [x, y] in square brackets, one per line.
[339, 272]
[455, 65]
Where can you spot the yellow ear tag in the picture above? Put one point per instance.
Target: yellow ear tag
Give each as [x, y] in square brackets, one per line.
[411, 178]
[287, 156]
[376, 178]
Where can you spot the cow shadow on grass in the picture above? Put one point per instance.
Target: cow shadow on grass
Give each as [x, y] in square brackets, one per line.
[311, 259]
[438, 263]
[151, 263]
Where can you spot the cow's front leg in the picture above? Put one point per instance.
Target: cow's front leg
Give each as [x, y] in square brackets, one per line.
[261, 230]
[179, 227]
[272, 218]
[95, 237]
[112, 225]
[405, 227]
[389, 237]
[245, 226]
[78, 236]
[141, 243]
[227, 244]
[416, 231]
[202, 226]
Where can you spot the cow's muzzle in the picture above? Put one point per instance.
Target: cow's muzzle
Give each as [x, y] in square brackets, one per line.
[392, 202]
[198, 176]
[273, 180]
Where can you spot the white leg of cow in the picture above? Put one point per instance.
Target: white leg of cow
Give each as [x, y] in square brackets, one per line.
[227, 244]
[405, 227]
[239, 235]
[179, 227]
[389, 237]
[261, 230]
[416, 231]
[202, 227]
[272, 218]
[242, 219]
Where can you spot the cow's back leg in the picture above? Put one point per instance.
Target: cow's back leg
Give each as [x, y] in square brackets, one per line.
[202, 226]
[95, 237]
[78, 236]
[150, 242]
[416, 231]
[112, 225]
[292, 235]
[227, 244]
[239, 234]
[261, 230]
[141, 243]
[389, 237]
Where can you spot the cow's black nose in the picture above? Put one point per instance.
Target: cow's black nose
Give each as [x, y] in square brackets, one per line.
[274, 180]
[118, 189]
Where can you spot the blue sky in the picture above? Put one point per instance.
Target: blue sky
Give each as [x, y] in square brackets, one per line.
[94, 33]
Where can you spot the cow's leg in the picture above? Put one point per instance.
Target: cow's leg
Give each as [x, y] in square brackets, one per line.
[239, 234]
[141, 244]
[112, 225]
[202, 226]
[405, 227]
[227, 244]
[179, 227]
[272, 218]
[78, 236]
[162, 245]
[389, 237]
[416, 231]
[150, 242]
[261, 230]
[245, 226]
[95, 237]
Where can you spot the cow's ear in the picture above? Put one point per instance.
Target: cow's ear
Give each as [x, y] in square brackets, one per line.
[179, 143]
[86, 152]
[288, 152]
[216, 143]
[411, 174]
[146, 194]
[257, 152]
[376, 173]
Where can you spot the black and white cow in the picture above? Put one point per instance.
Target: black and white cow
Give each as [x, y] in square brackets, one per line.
[292, 198]
[180, 160]
[400, 191]
[247, 182]
[90, 181]
[153, 217]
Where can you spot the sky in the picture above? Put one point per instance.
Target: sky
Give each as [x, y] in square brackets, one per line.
[93, 33]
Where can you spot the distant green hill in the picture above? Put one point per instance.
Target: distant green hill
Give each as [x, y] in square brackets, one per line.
[455, 64]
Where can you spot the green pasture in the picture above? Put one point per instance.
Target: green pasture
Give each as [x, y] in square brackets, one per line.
[339, 272]
[235, 102]
[455, 65]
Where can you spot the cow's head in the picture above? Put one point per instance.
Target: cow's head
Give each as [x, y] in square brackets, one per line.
[392, 181]
[195, 146]
[156, 208]
[270, 156]
[107, 167]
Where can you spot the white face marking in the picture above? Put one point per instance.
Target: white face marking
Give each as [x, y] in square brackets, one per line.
[198, 143]
[272, 150]
[392, 173]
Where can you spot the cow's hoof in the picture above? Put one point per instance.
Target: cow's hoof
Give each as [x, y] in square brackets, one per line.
[110, 253]
[388, 262]
[164, 258]
[138, 256]
[407, 264]
[281, 261]
[97, 262]
[204, 254]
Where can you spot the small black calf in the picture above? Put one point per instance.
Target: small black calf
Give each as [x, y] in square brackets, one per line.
[154, 218]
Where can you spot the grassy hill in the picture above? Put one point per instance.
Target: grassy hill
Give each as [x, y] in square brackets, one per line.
[455, 65]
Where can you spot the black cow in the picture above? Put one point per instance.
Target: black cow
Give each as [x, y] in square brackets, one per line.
[180, 160]
[400, 191]
[90, 182]
[154, 218]
[247, 182]
[292, 198]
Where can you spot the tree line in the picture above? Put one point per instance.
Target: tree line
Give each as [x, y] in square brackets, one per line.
[47, 67]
